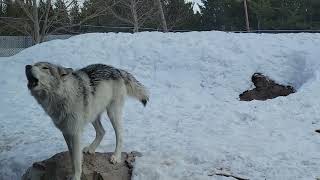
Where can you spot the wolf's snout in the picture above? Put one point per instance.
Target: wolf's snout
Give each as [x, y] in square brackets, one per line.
[28, 67]
[32, 81]
[28, 71]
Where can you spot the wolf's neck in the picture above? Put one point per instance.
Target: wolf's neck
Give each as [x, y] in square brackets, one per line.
[56, 106]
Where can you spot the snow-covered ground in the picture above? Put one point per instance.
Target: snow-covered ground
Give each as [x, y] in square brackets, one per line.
[194, 122]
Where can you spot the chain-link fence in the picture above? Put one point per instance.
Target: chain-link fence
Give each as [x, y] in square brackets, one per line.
[11, 45]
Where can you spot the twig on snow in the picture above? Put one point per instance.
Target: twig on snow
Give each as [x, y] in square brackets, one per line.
[226, 174]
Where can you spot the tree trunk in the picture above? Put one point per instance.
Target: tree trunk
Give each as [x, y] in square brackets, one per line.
[246, 13]
[45, 23]
[163, 19]
[135, 16]
[1, 8]
[36, 27]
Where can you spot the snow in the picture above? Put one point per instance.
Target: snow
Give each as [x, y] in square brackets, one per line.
[194, 122]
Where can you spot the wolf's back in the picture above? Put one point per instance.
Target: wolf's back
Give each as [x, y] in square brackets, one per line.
[135, 88]
[100, 72]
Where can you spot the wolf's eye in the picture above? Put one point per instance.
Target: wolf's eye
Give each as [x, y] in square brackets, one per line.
[45, 68]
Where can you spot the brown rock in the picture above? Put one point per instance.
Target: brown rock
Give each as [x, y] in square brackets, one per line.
[94, 167]
[265, 88]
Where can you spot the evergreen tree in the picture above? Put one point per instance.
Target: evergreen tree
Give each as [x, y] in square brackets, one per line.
[89, 8]
[75, 13]
[262, 14]
[180, 15]
[13, 14]
[61, 14]
[12, 9]
[222, 15]
[212, 13]
[313, 13]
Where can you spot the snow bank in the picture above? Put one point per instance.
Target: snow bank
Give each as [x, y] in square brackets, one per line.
[194, 122]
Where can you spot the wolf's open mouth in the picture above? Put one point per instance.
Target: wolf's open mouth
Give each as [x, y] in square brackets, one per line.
[32, 81]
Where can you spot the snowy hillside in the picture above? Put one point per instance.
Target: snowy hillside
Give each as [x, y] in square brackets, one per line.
[194, 122]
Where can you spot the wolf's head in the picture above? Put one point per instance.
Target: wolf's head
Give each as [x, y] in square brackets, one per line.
[45, 77]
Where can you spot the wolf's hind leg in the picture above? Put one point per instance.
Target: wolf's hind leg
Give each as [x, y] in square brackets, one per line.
[99, 135]
[115, 116]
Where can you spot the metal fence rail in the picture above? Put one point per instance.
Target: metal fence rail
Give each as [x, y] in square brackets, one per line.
[11, 45]
[278, 31]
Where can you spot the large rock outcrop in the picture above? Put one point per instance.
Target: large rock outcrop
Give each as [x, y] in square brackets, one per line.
[94, 167]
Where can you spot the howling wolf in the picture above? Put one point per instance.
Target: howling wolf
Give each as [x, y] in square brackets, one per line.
[74, 98]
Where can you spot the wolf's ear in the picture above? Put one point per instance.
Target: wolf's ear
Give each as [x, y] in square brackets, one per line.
[65, 71]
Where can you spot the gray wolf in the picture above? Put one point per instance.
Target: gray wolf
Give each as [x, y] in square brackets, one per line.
[74, 98]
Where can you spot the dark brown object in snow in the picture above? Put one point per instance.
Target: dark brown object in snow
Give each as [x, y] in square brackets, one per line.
[95, 167]
[265, 88]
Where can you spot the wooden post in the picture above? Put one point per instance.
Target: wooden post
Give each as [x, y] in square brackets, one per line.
[246, 14]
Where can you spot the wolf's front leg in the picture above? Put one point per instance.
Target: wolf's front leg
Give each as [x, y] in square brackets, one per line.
[73, 142]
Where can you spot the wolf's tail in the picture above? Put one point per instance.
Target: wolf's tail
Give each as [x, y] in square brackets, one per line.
[135, 88]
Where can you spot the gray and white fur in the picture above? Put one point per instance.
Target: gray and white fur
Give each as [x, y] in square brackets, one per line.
[75, 98]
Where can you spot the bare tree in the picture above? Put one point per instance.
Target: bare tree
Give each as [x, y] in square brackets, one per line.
[133, 12]
[39, 24]
[162, 17]
[31, 11]
[245, 6]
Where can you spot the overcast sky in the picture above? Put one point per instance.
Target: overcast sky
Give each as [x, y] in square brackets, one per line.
[196, 8]
[196, 1]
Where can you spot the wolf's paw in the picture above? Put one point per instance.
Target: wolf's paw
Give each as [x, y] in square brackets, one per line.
[88, 150]
[115, 159]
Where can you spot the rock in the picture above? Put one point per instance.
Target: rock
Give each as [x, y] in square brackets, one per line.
[265, 88]
[94, 167]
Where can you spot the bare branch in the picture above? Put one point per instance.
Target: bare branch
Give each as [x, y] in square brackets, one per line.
[226, 174]
[18, 26]
[45, 24]
[25, 10]
[71, 3]
[119, 17]
[78, 24]
[230, 175]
